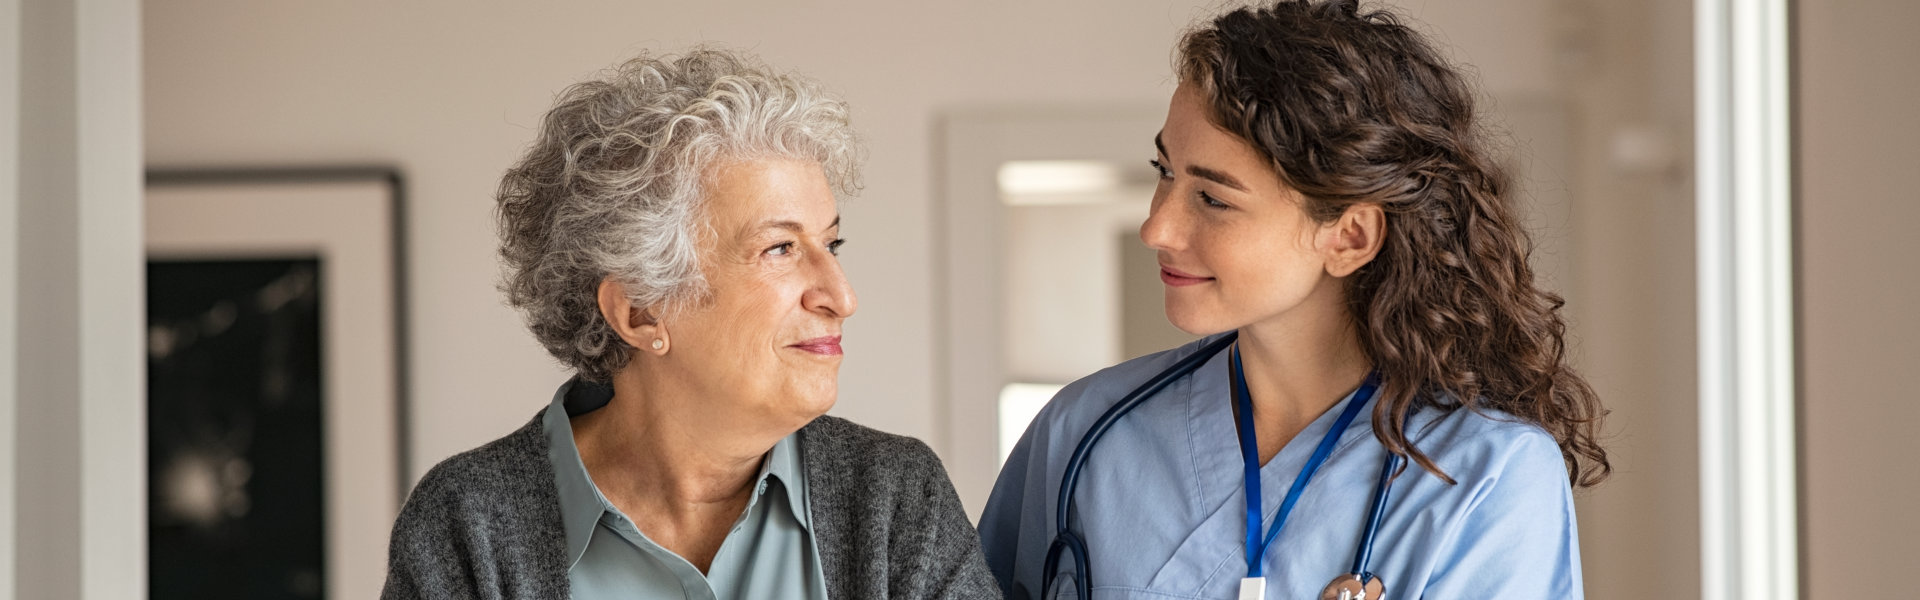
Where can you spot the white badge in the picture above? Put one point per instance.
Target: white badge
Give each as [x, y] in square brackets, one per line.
[1253, 588]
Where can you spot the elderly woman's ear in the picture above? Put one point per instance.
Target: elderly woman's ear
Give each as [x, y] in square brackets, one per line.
[635, 325]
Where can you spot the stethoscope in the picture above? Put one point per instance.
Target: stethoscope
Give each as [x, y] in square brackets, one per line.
[1069, 542]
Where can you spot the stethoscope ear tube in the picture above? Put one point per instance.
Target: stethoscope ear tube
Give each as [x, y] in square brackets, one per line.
[1380, 492]
[1083, 582]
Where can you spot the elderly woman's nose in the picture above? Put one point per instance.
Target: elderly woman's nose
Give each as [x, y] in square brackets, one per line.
[831, 293]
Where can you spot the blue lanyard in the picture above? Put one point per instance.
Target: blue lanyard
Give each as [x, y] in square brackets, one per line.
[1250, 452]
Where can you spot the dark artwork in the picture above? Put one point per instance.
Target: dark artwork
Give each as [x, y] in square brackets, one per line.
[234, 430]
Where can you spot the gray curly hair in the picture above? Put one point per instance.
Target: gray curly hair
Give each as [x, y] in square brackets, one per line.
[613, 187]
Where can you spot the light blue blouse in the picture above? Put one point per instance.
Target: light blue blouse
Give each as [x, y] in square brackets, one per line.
[1161, 505]
[768, 554]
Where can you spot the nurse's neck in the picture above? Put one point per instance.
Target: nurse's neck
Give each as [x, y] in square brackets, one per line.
[1299, 365]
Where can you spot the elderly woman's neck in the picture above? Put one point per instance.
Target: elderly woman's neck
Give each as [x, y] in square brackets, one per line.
[682, 476]
[661, 446]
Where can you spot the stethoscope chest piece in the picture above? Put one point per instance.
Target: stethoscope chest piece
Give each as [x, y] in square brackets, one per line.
[1350, 587]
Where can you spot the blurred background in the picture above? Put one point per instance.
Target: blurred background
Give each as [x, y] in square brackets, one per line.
[320, 176]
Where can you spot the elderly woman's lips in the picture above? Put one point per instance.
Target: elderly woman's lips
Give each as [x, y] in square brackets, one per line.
[829, 345]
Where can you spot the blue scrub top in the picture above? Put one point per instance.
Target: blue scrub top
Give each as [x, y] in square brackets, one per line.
[1161, 506]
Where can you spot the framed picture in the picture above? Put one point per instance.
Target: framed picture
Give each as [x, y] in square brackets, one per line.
[276, 387]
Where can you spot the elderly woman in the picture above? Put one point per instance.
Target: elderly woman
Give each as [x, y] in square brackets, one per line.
[672, 238]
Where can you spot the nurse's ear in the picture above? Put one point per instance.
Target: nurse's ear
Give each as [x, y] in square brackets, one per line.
[637, 326]
[1353, 239]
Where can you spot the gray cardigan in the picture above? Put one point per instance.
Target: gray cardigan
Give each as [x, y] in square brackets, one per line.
[485, 524]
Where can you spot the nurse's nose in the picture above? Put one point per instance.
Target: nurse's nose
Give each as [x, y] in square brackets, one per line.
[1162, 230]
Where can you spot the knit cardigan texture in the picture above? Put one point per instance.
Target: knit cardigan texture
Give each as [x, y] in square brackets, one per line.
[485, 524]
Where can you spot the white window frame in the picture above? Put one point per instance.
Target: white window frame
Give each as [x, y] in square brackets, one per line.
[1749, 542]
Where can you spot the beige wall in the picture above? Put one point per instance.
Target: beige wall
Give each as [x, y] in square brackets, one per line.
[1062, 268]
[10, 52]
[450, 92]
[1633, 292]
[1860, 335]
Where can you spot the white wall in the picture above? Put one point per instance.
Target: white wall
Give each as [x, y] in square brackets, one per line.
[1859, 288]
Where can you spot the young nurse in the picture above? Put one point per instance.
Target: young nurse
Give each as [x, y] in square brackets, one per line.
[1381, 404]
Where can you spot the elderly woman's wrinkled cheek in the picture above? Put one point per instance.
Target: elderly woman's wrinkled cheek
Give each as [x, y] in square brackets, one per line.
[778, 297]
[743, 341]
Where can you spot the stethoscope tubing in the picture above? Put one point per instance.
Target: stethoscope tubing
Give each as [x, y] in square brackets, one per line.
[1065, 539]
[1071, 478]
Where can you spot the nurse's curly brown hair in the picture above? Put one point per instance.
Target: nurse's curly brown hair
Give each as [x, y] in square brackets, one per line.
[1356, 107]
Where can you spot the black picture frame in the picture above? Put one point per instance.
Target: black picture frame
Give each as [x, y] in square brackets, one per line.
[236, 213]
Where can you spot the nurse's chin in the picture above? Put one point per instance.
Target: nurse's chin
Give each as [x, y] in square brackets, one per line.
[1197, 324]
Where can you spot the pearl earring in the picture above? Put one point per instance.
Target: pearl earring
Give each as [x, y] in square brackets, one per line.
[659, 343]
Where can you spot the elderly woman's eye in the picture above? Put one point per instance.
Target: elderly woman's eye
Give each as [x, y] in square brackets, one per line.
[834, 246]
[781, 249]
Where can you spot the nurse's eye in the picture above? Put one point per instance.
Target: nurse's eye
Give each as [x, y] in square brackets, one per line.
[834, 246]
[1160, 169]
[781, 249]
[1211, 202]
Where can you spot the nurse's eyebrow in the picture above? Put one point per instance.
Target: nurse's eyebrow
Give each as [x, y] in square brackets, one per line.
[1216, 177]
[1219, 177]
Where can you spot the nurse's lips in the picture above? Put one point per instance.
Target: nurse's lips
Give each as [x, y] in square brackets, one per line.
[824, 345]
[1175, 278]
